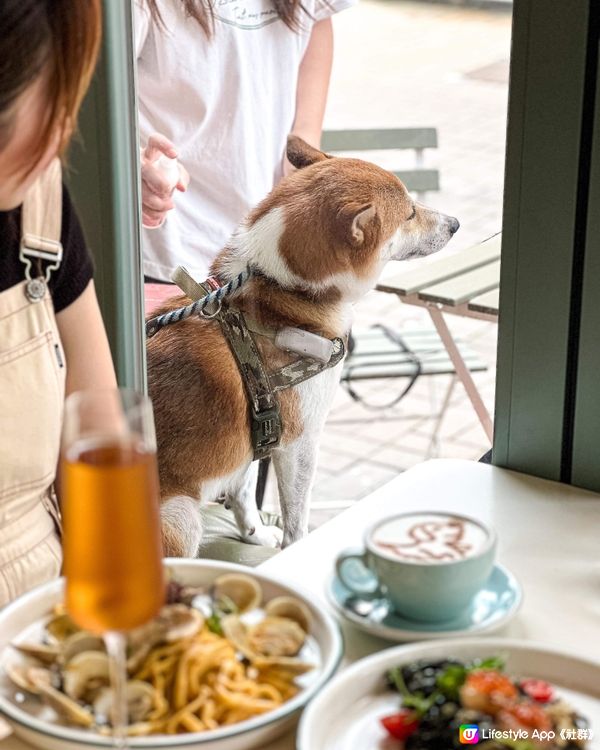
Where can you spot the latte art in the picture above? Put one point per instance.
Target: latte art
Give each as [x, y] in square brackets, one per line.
[430, 538]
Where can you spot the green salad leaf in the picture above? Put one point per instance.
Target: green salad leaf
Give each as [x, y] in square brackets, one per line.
[213, 623]
[453, 677]
[416, 701]
[496, 663]
[451, 680]
[221, 607]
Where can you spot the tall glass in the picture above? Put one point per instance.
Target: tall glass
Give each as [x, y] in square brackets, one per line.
[112, 545]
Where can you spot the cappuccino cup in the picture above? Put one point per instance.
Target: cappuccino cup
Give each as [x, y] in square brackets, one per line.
[429, 565]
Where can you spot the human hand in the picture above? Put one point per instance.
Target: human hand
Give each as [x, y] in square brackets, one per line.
[157, 189]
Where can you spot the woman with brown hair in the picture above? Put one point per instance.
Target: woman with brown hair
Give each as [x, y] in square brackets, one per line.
[223, 83]
[52, 340]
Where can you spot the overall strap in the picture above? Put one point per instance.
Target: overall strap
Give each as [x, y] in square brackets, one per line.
[41, 223]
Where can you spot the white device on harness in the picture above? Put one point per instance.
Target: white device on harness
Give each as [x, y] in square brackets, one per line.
[304, 343]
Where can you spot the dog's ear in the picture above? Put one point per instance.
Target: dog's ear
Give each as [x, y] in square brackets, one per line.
[362, 221]
[301, 154]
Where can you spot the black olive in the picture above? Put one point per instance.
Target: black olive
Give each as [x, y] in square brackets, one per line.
[432, 715]
[440, 739]
[421, 677]
[468, 716]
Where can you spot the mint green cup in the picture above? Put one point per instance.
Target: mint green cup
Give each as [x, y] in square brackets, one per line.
[432, 591]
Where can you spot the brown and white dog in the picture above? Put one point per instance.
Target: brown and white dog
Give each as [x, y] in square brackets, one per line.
[318, 241]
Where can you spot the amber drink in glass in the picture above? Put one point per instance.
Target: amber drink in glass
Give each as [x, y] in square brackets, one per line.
[112, 547]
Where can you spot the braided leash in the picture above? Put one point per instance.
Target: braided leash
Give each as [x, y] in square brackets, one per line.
[154, 325]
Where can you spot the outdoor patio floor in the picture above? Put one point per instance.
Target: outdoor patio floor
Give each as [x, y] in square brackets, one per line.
[405, 64]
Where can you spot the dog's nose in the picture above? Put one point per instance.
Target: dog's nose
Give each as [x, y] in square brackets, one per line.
[453, 225]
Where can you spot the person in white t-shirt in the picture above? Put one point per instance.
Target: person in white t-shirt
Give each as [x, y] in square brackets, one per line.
[220, 88]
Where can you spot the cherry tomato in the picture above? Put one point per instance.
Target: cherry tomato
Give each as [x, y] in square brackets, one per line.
[538, 690]
[401, 725]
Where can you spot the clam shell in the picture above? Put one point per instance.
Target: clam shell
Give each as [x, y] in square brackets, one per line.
[180, 621]
[292, 608]
[276, 636]
[85, 674]
[61, 703]
[80, 642]
[61, 626]
[290, 664]
[141, 698]
[174, 622]
[47, 654]
[19, 675]
[244, 591]
[236, 632]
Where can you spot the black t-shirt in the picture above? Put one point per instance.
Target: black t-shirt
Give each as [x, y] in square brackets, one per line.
[73, 275]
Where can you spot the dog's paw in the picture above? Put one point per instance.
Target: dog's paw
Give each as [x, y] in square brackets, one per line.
[265, 536]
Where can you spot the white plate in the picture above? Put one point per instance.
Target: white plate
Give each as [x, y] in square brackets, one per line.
[36, 724]
[345, 715]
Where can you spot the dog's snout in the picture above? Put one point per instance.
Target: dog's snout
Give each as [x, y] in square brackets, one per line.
[453, 225]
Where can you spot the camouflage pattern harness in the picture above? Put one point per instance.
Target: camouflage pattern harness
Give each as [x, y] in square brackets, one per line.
[261, 386]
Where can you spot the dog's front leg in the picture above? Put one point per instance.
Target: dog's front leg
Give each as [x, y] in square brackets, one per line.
[295, 467]
[181, 526]
[243, 503]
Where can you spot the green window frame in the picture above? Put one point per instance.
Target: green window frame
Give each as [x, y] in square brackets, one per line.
[547, 416]
[104, 182]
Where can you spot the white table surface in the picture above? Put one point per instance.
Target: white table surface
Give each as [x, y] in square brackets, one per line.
[548, 537]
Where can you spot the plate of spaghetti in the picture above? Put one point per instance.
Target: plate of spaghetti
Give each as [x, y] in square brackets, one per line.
[232, 657]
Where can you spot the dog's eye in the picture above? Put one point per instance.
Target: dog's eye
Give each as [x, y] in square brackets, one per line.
[414, 212]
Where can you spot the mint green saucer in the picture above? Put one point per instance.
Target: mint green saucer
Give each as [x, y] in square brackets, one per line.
[492, 608]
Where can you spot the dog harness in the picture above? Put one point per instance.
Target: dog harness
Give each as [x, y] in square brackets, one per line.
[209, 301]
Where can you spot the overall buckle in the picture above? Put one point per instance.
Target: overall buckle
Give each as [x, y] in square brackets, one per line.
[42, 249]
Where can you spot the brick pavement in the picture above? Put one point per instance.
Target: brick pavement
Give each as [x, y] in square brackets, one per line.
[403, 64]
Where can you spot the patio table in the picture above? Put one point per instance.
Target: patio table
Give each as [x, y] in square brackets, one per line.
[465, 283]
[547, 537]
